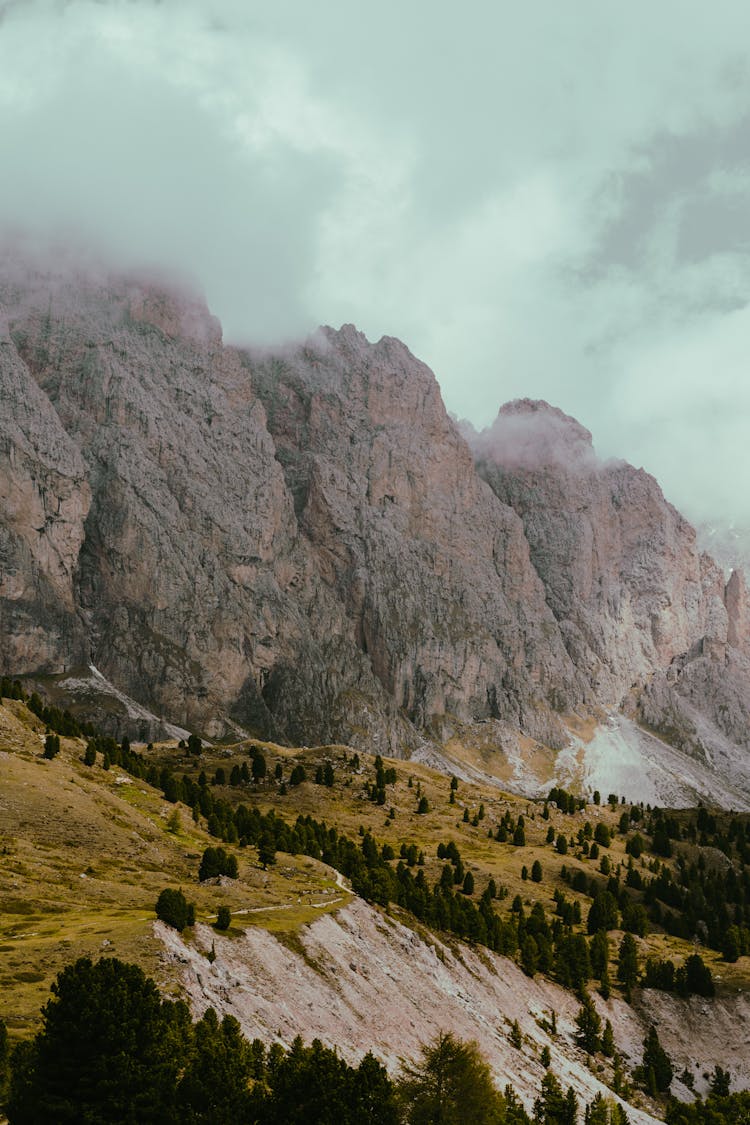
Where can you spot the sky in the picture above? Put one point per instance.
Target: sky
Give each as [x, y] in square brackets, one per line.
[542, 200]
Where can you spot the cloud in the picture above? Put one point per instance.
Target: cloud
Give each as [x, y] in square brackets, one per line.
[158, 156]
[540, 204]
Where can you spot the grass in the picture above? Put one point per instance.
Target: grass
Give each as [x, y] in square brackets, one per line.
[85, 853]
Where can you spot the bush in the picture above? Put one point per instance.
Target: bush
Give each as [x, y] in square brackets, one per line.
[173, 908]
[223, 918]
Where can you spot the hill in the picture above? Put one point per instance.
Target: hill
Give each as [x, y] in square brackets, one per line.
[87, 850]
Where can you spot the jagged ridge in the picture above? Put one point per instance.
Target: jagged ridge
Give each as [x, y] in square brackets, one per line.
[300, 543]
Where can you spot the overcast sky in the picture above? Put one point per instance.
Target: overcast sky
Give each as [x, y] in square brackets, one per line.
[548, 200]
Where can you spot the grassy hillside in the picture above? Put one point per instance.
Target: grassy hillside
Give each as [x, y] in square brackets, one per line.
[86, 850]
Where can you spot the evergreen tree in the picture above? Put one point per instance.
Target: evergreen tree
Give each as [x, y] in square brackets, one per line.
[657, 1067]
[216, 862]
[109, 1051]
[603, 914]
[266, 850]
[452, 1085]
[589, 1027]
[596, 1112]
[627, 964]
[173, 908]
[51, 745]
[599, 953]
[213, 1089]
[552, 1107]
[4, 1059]
[529, 955]
[698, 977]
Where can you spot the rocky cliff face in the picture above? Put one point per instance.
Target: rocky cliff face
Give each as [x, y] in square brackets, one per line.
[367, 587]
[649, 617]
[301, 544]
[433, 571]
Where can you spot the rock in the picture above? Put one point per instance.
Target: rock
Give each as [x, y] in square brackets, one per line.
[301, 543]
[623, 576]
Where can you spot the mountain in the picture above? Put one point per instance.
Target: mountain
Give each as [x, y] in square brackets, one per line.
[304, 545]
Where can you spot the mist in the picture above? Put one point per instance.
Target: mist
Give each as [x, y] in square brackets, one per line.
[539, 205]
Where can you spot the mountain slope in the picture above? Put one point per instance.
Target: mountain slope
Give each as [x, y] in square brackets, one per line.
[299, 543]
[86, 851]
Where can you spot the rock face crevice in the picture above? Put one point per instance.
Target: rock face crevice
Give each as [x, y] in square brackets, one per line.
[303, 543]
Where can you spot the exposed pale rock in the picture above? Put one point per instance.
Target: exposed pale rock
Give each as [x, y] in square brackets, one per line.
[620, 566]
[433, 570]
[299, 542]
[44, 500]
[738, 611]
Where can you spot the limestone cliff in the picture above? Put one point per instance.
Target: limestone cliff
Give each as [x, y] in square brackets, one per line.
[300, 543]
[642, 610]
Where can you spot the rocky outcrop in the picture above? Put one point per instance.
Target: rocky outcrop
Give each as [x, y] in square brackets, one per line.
[433, 571]
[643, 611]
[45, 500]
[622, 574]
[345, 575]
[300, 543]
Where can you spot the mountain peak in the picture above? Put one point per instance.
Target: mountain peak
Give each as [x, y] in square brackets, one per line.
[530, 433]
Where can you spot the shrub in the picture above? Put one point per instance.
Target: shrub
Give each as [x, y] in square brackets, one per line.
[223, 918]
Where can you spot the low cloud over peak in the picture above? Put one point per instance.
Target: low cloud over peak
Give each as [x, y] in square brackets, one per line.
[539, 204]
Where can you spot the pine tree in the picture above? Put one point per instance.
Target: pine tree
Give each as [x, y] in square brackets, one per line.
[51, 745]
[599, 953]
[627, 965]
[452, 1084]
[110, 1050]
[589, 1027]
[173, 908]
[657, 1066]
